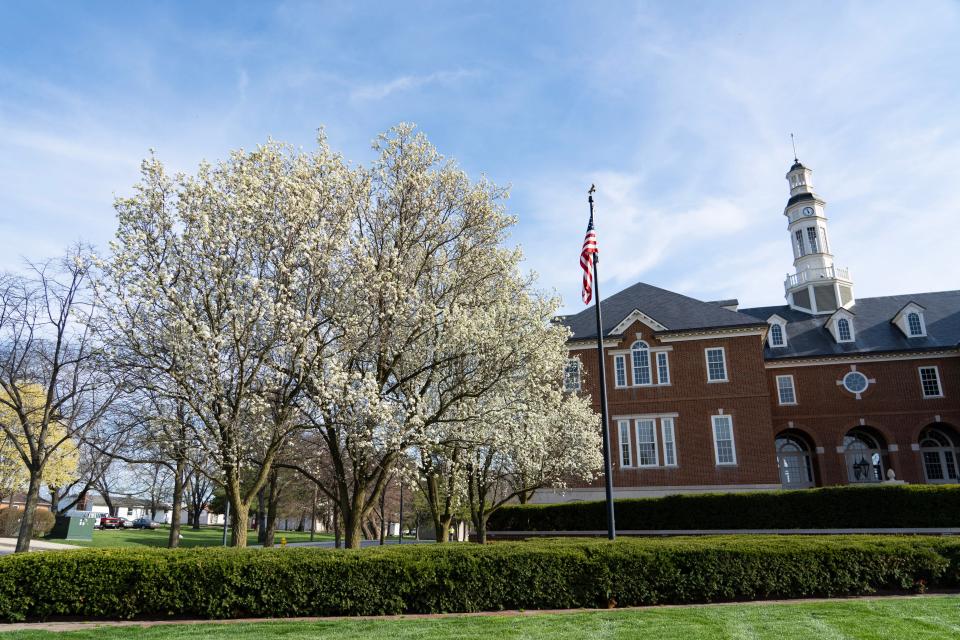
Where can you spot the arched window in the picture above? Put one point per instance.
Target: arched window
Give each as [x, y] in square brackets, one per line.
[913, 322]
[938, 449]
[864, 453]
[776, 335]
[795, 462]
[843, 330]
[640, 354]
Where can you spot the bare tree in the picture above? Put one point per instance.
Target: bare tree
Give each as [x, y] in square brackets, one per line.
[52, 378]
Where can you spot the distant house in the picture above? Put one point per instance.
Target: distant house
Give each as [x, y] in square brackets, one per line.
[19, 500]
[132, 507]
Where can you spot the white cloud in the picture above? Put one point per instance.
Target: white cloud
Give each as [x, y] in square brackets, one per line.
[381, 90]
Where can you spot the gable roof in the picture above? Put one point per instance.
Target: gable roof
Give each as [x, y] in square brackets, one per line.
[674, 311]
[808, 336]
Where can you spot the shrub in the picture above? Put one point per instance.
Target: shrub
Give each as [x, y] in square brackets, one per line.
[43, 522]
[827, 508]
[224, 583]
[9, 521]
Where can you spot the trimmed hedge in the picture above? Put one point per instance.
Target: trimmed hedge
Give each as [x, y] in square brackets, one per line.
[227, 583]
[827, 508]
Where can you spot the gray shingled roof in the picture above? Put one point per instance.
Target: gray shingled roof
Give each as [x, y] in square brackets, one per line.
[672, 310]
[807, 335]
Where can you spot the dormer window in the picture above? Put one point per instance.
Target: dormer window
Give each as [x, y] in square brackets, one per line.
[840, 324]
[844, 333]
[777, 335]
[914, 324]
[910, 321]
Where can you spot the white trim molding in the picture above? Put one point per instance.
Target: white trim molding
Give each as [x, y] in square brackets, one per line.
[632, 317]
[859, 358]
[707, 334]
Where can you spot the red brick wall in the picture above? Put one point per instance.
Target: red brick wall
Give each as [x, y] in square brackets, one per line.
[893, 405]
[746, 398]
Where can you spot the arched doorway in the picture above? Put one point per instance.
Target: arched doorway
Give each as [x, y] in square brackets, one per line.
[795, 461]
[864, 452]
[938, 452]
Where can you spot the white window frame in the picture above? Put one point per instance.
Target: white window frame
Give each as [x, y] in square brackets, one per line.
[936, 376]
[619, 366]
[566, 387]
[656, 444]
[723, 360]
[634, 367]
[733, 443]
[623, 429]
[663, 367]
[672, 440]
[852, 337]
[923, 329]
[793, 390]
[783, 336]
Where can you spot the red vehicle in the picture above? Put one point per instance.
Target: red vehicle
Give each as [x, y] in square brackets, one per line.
[111, 522]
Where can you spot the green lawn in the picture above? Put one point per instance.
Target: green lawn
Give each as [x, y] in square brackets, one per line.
[205, 537]
[876, 619]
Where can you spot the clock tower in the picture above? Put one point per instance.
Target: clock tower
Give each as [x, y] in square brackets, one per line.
[817, 286]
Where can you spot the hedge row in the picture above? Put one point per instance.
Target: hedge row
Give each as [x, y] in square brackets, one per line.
[227, 583]
[831, 507]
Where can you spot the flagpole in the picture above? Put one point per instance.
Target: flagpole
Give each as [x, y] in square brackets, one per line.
[607, 466]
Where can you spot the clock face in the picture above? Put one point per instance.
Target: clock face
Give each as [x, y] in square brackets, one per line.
[808, 211]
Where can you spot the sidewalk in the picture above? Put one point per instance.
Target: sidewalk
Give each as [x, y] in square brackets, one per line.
[7, 545]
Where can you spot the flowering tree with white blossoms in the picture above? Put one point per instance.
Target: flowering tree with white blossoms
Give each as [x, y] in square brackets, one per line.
[217, 287]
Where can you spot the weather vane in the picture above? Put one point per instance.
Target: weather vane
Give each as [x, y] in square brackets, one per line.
[794, 144]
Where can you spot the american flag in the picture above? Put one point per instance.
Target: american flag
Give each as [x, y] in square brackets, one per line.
[586, 260]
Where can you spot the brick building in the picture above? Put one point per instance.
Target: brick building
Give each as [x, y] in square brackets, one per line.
[826, 389]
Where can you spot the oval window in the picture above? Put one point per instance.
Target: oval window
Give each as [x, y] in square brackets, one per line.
[855, 382]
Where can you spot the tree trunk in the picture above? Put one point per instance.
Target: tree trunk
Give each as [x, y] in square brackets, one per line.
[239, 516]
[352, 530]
[337, 529]
[54, 500]
[174, 540]
[29, 509]
[261, 515]
[272, 498]
[383, 517]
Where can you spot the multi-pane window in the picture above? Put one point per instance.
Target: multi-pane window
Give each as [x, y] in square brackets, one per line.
[785, 390]
[625, 453]
[723, 445]
[716, 365]
[843, 330]
[620, 370]
[812, 239]
[930, 382]
[663, 368]
[669, 442]
[571, 375]
[799, 236]
[641, 362]
[914, 324]
[646, 443]
[776, 335]
[823, 240]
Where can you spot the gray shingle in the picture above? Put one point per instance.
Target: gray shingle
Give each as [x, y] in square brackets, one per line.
[673, 310]
[807, 335]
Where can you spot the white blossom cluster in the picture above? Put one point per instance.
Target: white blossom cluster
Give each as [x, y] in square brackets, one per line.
[361, 320]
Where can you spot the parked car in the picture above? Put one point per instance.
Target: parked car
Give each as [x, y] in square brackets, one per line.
[144, 523]
[111, 522]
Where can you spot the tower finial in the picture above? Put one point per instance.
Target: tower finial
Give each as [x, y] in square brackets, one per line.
[794, 144]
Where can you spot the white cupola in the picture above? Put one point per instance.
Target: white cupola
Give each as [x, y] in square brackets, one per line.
[816, 286]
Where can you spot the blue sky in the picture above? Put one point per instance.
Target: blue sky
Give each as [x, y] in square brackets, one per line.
[679, 111]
